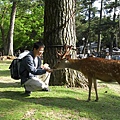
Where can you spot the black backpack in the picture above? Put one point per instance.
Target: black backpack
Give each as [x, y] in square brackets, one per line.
[15, 66]
[14, 69]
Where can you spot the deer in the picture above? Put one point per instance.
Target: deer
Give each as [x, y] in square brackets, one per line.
[92, 68]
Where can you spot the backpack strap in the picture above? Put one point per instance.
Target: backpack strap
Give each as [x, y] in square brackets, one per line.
[22, 59]
[39, 61]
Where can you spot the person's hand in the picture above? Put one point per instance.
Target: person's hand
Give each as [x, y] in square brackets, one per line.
[45, 66]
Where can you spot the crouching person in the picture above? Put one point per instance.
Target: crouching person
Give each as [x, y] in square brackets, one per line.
[34, 76]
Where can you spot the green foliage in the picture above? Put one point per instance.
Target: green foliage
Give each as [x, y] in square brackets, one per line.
[5, 10]
[28, 26]
[29, 22]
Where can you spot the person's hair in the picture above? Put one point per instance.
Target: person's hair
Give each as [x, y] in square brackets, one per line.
[38, 44]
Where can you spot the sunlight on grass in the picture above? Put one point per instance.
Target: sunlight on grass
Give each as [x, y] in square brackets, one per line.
[60, 104]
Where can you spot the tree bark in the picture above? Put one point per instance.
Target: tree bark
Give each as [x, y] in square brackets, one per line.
[11, 29]
[59, 29]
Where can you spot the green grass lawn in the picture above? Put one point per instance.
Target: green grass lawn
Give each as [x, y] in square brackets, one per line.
[60, 104]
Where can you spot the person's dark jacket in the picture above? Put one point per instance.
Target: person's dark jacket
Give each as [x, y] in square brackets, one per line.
[28, 69]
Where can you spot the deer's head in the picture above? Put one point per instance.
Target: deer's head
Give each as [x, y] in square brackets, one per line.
[64, 57]
[61, 64]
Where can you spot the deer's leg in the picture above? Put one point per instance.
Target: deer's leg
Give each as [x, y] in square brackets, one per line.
[95, 87]
[89, 86]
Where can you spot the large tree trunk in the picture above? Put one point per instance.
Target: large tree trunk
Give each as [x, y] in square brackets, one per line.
[59, 29]
[11, 29]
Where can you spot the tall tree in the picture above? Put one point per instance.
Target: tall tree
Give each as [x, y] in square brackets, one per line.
[111, 10]
[4, 23]
[99, 30]
[59, 30]
[11, 29]
[90, 14]
[85, 25]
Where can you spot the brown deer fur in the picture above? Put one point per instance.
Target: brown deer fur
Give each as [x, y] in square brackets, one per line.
[94, 68]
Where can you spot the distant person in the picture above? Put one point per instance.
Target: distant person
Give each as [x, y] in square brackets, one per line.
[108, 56]
[92, 54]
[35, 76]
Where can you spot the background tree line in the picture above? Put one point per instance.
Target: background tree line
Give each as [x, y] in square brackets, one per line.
[99, 24]
[92, 23]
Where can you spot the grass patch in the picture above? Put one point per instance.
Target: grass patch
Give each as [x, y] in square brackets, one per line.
[60, 104]
[4, 68]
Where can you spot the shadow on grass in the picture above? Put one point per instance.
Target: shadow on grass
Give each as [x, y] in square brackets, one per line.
[109, 105]
[5, 73]
[7, 85]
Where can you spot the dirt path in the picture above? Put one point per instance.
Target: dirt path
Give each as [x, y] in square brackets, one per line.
[115, 87]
